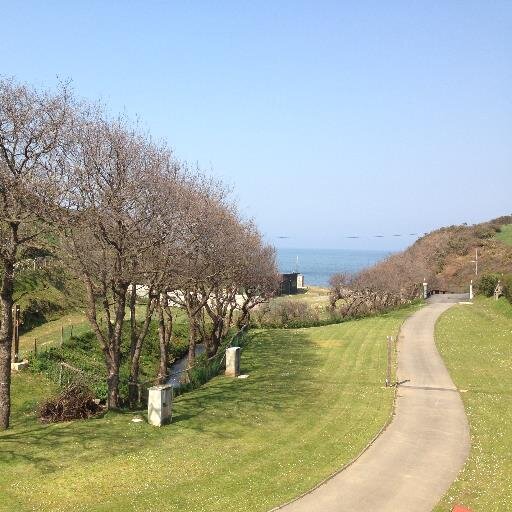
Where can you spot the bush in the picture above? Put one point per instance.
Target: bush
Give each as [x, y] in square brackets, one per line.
[286, 313]
[75, 402]
[487, 284]
[506, 281]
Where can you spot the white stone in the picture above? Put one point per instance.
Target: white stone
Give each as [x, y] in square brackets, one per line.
[233, 361]
[19, 366]
[160, 404]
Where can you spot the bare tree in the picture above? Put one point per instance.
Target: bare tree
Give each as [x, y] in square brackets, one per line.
[202, 257]
[259, 280]
[169, 199]
[105, 231]
[32, 125]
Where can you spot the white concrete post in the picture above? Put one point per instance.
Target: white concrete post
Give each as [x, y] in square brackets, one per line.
[471, 290]
[160, 404]
[233, 361]
[425, 291]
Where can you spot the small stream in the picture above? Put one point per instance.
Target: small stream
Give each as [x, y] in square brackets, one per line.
[176, 370]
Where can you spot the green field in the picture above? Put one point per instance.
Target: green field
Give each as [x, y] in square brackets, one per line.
[313, 400]
[480, 361]
[505, 235]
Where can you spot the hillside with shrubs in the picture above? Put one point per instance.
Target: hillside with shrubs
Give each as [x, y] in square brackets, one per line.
[444, 258]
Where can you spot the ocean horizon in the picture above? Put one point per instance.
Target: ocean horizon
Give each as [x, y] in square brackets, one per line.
[318, 265]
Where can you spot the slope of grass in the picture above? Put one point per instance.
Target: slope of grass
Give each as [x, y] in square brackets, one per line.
[505, 235]
[49, 334]
[476, 345]
[313, 400]
[45, 294]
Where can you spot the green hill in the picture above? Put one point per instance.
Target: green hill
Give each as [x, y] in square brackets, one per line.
[45, 294]
[505, 234]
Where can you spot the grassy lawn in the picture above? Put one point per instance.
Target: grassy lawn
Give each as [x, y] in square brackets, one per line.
[313, 399]
[476, 345]
[505, 235]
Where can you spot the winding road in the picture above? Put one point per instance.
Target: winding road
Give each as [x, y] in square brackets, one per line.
[415, 460]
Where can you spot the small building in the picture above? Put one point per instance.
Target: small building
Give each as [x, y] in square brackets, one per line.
[291, 283]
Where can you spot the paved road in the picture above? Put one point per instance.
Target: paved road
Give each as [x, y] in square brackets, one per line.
[412, 464]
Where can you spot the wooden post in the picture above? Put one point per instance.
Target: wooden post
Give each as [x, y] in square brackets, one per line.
[16, 332]
[390, 353]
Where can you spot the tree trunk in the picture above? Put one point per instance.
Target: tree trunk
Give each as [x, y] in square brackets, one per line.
[192, 340]
[137, 338]
[164, 338]
[244, 317]
[6, 326]
[113, 386]
[133, 322]
[215, 337]
[112, 345]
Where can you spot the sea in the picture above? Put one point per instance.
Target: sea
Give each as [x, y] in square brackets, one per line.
[318, 265]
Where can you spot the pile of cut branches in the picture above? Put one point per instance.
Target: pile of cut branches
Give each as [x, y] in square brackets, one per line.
[74, 402]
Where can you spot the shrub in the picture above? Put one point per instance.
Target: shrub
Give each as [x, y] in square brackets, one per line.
[506, 281]
[286, 313]
[74, 402]
[487, 283]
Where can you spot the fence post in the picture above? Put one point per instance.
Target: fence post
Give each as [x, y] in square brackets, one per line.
[16, 332]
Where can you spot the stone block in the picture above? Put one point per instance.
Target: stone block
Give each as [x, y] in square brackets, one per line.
[160, 404]
[19, 366]
[233, 361]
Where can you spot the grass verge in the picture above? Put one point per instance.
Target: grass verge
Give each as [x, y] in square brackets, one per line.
[505, 235]
[476, 345]
[313, 399]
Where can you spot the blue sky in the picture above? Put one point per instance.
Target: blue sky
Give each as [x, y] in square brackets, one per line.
[329, 119]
